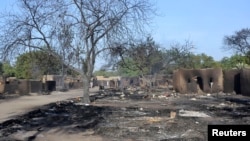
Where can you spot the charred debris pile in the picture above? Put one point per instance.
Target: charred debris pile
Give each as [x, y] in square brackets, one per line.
[160, 114]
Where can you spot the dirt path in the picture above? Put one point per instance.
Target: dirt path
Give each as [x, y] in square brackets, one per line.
[18, 106]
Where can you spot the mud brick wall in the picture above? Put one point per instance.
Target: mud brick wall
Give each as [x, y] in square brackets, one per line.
[11, 87]
[135, 81]
[107, 83]
[112, 84]
[190, 80]
[124, 82]
[184, 80]
[35, 86]
[95, 82]
[23, 87]
[178, 81]
[2, 85]
[196, 80]
[29, 86]
[142, 83]
[51, 86]
[215, 76]
[102, 83]
[163, 81]
[245, 82]
[231, 81]
[75, 85]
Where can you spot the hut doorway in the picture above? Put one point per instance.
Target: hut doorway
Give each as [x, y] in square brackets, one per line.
[200, 82]
[237, 84]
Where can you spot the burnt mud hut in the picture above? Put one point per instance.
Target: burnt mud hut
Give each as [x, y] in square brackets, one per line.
[232, 81]
[212, 81]
[245, 82]
[20, 86]
[198, 80]
[108, 82]
[129, 82]
[237, 81]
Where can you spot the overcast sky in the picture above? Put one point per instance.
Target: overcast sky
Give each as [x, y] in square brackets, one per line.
[204, 22]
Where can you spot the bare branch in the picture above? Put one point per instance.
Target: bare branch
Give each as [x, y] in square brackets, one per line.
[239, 42]
[92, 27]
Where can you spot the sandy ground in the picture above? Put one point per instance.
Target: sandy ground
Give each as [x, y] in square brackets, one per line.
[13, 107]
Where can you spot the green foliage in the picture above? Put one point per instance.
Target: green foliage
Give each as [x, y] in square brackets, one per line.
[8, 69]
[35, 64]
[130, 71]
[147, 58]
[239, 43]
[142, 58]
[201, 61]
[23, 66]
[175, 58]
[178, 56]
[1, 68]
[235, 61]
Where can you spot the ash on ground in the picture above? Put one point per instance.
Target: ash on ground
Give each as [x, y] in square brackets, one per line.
[133, 115]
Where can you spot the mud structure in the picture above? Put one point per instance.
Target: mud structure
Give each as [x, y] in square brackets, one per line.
[212, 81]
[130, 115]
[198, 81]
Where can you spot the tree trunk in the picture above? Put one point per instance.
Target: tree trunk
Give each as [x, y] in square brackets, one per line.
[85, 98]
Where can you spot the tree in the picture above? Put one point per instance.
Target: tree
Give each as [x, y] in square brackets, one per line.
[65, 39]
[239, 42]
[202, 60]
[130, 71]
[235, 61]
[23, 65]
[8, 69]
[143, 57]
[148, 58]
[178, 56]
[94, 25]
[1, 68]
[35, 64]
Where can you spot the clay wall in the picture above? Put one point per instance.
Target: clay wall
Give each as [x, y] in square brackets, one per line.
[245, 82]
[198, 80]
